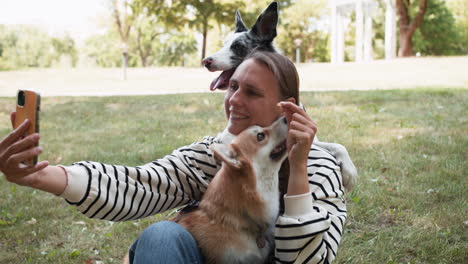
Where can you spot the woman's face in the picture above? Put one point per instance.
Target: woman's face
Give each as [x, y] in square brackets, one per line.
[252, 97]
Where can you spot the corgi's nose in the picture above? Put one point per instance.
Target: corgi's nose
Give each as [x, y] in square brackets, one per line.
[207, 62]
[284, 120]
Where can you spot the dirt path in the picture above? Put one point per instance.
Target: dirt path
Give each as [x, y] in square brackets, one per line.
[449, 72]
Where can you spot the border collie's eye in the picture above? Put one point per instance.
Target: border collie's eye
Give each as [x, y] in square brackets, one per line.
[260, 136]
[239, 49]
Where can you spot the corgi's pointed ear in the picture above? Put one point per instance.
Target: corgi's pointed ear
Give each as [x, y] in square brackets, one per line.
[240, 26]
[227, 154]
[265, 27]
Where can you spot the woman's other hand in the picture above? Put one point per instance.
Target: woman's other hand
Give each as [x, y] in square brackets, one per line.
[301, 134]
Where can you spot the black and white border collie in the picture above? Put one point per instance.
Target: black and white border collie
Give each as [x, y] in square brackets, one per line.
[239, 44]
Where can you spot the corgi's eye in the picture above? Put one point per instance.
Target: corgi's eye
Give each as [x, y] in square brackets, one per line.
[260, 136]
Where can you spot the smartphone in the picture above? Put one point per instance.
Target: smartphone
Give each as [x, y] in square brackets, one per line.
[28, 106]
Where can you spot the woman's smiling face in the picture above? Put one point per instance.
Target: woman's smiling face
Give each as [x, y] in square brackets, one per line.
[252, 97]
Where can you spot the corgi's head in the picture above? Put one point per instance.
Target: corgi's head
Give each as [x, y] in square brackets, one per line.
[240, 43]
[258, 151]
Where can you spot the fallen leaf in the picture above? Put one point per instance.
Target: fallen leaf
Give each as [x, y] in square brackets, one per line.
[32, 221]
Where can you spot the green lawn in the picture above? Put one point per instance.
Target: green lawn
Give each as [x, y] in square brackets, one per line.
[410, 205]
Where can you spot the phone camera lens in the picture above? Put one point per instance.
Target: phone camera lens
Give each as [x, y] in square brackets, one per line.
[21, 98]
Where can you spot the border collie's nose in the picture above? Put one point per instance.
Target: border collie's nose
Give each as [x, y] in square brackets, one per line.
[207, 62]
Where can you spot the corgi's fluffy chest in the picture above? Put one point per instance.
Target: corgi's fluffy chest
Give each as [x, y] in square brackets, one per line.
[235, 220]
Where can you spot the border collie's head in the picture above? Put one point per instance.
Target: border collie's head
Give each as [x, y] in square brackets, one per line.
[239, 44]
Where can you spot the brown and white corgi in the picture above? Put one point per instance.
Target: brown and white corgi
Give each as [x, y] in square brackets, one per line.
[234, 222]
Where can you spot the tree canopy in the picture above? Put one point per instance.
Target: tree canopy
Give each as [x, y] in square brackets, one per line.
[161, 32]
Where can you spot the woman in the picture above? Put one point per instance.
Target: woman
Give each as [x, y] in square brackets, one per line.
[313, 210]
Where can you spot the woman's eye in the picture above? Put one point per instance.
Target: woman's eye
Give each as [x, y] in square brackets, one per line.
[260, 136]
[253, 93]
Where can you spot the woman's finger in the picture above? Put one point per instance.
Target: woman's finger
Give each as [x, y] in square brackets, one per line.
[16, 159]
[305, 119]
[299, 137]
[292, 107]
[39, 166]
[287, 113]
[14, 135]
[13, 118]
[22, 144]
[308, 134]
[298, 126]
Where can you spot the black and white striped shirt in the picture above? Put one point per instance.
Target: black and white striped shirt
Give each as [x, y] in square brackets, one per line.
[309, 230]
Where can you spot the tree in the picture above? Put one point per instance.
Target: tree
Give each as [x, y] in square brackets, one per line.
[24, 46]
[202, 12]
[65, 46]
[300, 22]
[407, 26]
[147, 31]
[104, 50]
[174, 51]
[458, 10]
[124, 16]
[154, 19]
[438, 35]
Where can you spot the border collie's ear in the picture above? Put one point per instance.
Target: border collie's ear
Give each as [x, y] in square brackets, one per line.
[240, 26]
[227, 154]
[265, 27]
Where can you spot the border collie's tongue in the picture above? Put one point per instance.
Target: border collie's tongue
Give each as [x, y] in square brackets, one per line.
[222, 81]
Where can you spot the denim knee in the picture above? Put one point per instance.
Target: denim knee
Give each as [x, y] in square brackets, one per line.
[165, 242]
[164, 232]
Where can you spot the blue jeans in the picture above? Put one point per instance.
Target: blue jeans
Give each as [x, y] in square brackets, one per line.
[165, 242]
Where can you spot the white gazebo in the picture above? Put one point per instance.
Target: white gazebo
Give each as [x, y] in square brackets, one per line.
[364, 9]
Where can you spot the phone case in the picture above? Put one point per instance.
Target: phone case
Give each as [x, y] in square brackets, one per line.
[28, 108]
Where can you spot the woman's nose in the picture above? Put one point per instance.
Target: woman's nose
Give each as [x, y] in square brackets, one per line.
[236, 98]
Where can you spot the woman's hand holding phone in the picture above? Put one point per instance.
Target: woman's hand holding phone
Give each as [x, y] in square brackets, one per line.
[15, 149]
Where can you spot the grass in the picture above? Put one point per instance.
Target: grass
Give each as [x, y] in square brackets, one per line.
[410, 205]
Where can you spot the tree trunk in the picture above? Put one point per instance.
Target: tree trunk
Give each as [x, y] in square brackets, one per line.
[205, 34]
[408, 27]
[140, 50]
[406, 45]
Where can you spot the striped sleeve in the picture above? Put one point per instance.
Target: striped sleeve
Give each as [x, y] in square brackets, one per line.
[311, 227]
[120, 193]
